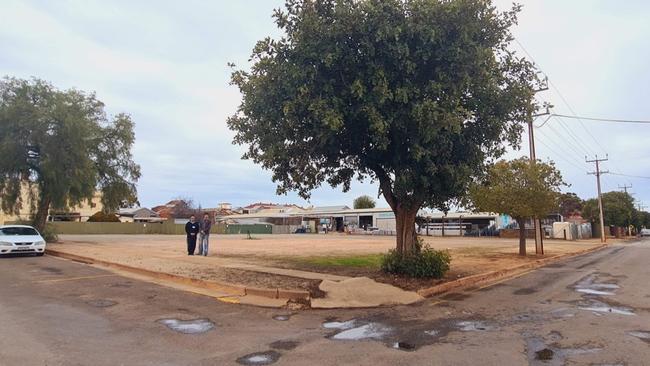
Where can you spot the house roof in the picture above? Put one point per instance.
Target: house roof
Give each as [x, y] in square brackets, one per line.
[137, 212]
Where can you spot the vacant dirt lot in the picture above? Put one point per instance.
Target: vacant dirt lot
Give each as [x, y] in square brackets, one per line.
[277, 260]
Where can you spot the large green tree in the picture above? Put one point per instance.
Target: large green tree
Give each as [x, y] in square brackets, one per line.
[412, 94]
[61, 148]
[521, 188]
[618, 209]
[570, 204]
[364, 201]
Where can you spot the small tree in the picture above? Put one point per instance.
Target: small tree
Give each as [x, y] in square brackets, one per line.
[412, 94]
[61, 148]
[570, 204]
[364, 201]
[101, 216]
[520, 188]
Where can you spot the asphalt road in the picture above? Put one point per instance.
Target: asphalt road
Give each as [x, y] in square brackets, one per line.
[593, 310]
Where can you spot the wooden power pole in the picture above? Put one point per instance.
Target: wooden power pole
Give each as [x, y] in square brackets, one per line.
[598, 173]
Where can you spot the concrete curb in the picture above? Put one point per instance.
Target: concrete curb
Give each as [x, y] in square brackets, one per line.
[235, 290]
[484, 278]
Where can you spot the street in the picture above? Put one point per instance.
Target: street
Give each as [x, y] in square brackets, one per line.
[590, 310]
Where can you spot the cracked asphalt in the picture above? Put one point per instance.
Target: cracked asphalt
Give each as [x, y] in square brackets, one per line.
[590, 310]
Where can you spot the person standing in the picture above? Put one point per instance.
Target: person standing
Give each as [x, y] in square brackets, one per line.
[204, 234]
[191, 229]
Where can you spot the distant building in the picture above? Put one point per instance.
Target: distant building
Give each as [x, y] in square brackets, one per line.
[139, 214]
[80, 212]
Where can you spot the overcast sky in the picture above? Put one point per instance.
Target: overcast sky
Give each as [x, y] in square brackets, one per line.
[165, 63]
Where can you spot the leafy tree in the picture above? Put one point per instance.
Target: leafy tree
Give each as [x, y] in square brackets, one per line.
[618, 209]
[412, 94]
[641, 219]
[570, 204]
[521, 189]
[364, 201]
[184, 208]
[61, 148]
[101, 216]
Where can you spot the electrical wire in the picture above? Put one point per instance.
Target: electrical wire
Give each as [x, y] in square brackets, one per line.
[602, 119]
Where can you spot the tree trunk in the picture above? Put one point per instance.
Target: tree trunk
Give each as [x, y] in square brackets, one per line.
[42, 211]
[406, 234]
[522, 236]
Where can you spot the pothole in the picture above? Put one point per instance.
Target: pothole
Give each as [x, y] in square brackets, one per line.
[101, 303]
[339, 325]
[284, 345]
[601, 307]
[194, 326]
[259, 358]
[641, 334]
[473, 326]
[404, 346]
[366, 331]
[540, 353]
[588, 285]
[282, 317]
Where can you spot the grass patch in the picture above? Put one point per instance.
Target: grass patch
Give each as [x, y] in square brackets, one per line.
[358, 261]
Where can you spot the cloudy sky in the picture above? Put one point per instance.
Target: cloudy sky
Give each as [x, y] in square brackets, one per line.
[165, 63]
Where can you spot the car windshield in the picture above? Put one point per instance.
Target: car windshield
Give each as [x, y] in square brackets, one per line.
[18, 231]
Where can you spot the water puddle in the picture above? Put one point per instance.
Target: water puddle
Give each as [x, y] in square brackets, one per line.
[404, 346]
[367, 331]
[597, 306]
[101, 303]
[589, 291]
[194, 326]
[563, 313]
[340, 325]
[432, 333]
[641, 334]
[282, 317]
[473, 326]
[589, 285]
[259, 358]
[284, 345]
[540, 353]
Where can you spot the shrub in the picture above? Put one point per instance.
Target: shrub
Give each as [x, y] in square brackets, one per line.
[103, 217]
[425, 262]
[49, 234]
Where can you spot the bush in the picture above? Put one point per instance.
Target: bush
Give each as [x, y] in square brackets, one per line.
[425, 262]
[49, 234]
[103, 217]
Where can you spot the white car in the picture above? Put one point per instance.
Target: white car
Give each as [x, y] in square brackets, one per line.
[645, 232]
[20, 239]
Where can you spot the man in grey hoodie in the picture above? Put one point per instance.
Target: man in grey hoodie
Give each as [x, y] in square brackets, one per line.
[204, 234]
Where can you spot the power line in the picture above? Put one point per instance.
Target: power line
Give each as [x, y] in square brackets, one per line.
[557, 90]
[601, 119]
[563, 155]
[631, 176]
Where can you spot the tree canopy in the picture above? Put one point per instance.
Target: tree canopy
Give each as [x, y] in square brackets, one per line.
[570, 204]
[520, 188]
[413, 94]
[618, 209]
[364, 201]
[61, 148]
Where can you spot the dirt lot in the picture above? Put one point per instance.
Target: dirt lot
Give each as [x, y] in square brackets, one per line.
[260, 261]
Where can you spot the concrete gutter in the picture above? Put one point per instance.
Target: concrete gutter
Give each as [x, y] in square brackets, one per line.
[486, 278]
[231, 289]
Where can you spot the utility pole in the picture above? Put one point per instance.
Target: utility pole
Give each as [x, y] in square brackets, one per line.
[625, 187]
[539, 238]
[598, 173]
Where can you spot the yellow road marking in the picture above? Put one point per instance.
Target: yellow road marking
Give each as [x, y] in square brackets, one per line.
[229, 299]
[73, 278]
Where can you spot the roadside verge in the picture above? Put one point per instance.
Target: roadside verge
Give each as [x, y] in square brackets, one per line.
[225, 288]
[486, 278]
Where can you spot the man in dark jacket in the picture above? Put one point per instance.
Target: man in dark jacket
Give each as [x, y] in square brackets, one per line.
[191, 229]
